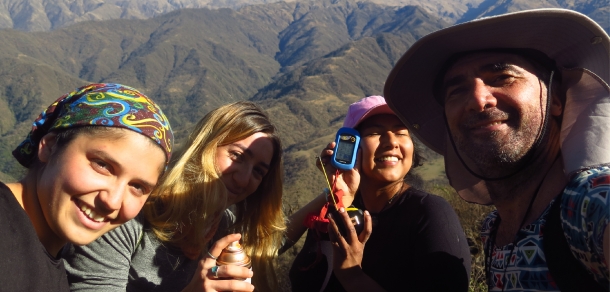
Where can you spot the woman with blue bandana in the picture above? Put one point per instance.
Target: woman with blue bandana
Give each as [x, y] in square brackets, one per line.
[93, 158]
[224, 186]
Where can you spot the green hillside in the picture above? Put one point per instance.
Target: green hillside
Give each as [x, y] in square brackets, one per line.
[295, 59]
[303, 62]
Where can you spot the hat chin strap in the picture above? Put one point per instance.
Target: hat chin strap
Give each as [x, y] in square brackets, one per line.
[529, 156]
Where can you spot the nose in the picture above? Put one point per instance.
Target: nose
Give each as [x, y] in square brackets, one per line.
[112, 199]
[242, 177]
[482, 97]
[389, 140]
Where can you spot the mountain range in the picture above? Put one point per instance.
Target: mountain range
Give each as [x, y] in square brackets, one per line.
[43, 15]
[303, 62]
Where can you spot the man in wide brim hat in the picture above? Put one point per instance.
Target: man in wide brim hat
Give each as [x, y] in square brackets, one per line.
[576, 50]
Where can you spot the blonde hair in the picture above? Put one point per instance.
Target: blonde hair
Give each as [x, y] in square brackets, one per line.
[191, 198]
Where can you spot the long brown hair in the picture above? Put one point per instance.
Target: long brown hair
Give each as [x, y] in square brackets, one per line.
[191, 198]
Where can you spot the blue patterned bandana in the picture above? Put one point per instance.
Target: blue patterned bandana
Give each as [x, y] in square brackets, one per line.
[103, 104]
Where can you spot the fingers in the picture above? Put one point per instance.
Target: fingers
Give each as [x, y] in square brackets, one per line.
[230, 272]
[227, 277]
[350, 234]
[220, 278]
[228, 285]
[333, 230]
[233, 285]
[368, 228]
[344, 219]
[325, 155]
[358, 163]
[215, 250]
[328, 151]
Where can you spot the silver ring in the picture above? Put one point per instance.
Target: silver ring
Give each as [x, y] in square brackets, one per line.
[210, 255]
[214, 271]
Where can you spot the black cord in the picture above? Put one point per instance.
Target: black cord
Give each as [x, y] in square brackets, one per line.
[492, 239]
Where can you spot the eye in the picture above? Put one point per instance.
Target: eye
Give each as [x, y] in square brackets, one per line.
[454, 92]
[236, 155]
[403, 133]
[503, 79]
[259, 173]
[138, 189]
[101, 166]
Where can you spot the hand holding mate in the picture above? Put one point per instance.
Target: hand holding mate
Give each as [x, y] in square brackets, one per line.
[349, 250]
[210, 277]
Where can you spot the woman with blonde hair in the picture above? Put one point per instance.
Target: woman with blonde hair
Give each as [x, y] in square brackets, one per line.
[228, 178]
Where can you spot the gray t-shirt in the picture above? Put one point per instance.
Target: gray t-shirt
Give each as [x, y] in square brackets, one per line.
[130, 258]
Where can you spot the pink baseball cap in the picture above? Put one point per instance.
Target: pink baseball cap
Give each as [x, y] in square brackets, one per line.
[364, 108]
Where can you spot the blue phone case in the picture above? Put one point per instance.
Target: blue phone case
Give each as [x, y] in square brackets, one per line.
[347, 141]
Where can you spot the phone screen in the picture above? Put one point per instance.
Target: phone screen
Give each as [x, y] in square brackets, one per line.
[345, 149]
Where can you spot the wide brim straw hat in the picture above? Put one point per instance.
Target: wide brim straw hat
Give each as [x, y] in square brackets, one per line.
[580, 48]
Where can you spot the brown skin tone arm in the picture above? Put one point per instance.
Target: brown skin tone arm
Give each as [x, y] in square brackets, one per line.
[348, 252]
[295, 228]
[347, 181]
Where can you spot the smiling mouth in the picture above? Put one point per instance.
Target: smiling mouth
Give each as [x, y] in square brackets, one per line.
[486, 125]
[90, 213]
[388, 158]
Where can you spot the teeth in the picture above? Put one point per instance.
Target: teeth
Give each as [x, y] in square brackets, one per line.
[90, 213]
[491, 124]
[389, 158]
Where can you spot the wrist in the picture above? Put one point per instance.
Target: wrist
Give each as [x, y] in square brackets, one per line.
[336, 198]
[348, 200]
[346, 277]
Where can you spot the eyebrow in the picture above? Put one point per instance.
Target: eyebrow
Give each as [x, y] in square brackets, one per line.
[249, 153]
[499, 67]
[109, 159]
[488, 68]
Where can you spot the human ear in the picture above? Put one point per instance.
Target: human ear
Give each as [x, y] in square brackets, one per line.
[556, 106]
[46, 146]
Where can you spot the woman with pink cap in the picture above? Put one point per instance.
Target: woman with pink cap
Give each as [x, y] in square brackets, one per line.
[412, 240]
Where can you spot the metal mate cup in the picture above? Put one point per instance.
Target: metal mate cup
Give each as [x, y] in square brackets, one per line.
[356, 216]
[234, 255]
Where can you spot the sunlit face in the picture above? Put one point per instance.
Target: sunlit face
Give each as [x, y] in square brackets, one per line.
[494, 105]
[95, 184]
[386, 147]
[243, 164]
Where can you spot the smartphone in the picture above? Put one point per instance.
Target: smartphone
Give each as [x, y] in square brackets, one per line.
[346, 148]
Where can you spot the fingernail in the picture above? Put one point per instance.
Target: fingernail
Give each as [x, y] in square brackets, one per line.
[329, 216]
[366, 212]
[341, 210]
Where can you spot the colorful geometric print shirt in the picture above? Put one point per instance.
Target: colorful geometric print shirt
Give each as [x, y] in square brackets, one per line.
[584, 215]
[522, 267]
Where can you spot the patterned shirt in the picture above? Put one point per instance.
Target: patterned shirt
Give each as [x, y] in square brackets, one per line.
[585, 217]
[585, 208]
